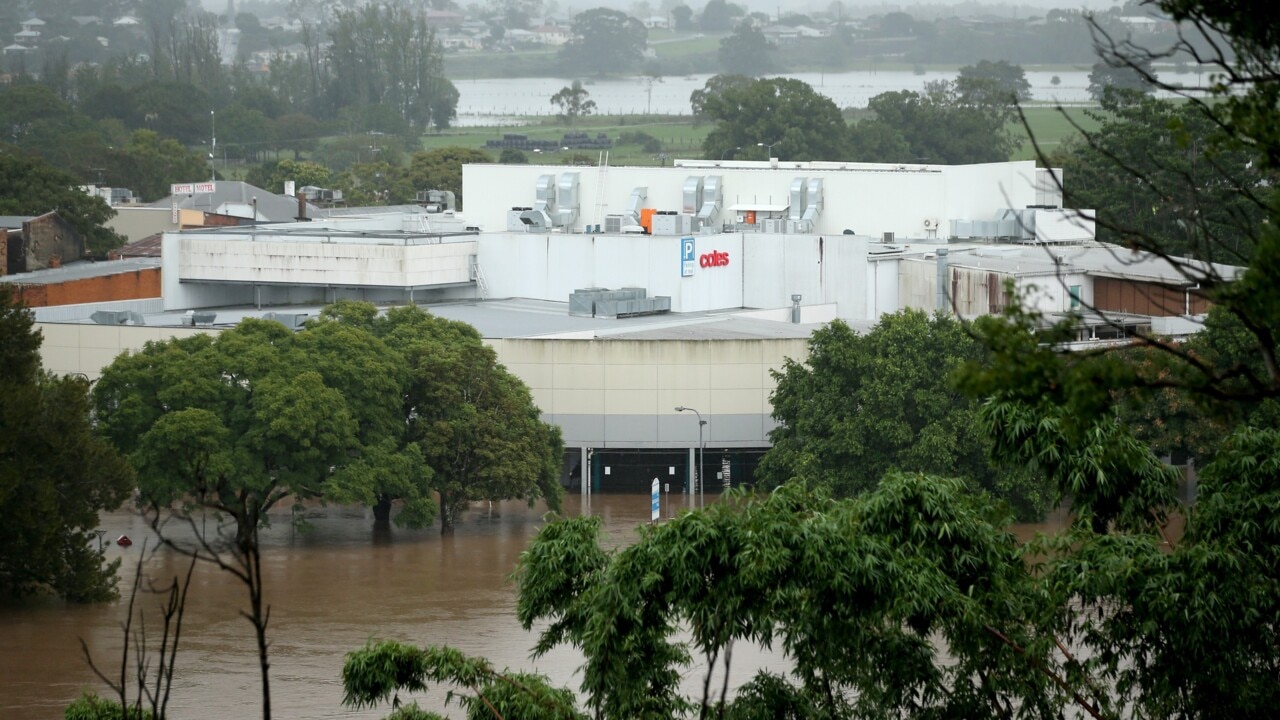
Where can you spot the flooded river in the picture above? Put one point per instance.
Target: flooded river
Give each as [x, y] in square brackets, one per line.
[330, 590]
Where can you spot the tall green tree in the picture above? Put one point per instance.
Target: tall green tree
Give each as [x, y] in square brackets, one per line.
[574, 102]
[30, 186]
[1136, 76]
[387, 55]
[56, 474]
[801, 123]
[231, 426]
[473, 421]
[862, 405]
[1187, 186]
[441, 169]
[150, 163]
[942, 125]
[604, 41]
[746, 51]
[1007, 81]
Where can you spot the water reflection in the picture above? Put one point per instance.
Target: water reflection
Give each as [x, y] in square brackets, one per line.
[330, 590]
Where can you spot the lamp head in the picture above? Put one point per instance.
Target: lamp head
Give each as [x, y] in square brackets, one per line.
[681, 408]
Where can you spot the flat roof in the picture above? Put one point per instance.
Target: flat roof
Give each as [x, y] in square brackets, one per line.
[519, 318]
[81, 270]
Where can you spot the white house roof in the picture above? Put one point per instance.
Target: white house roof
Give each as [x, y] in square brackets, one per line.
[16, 48]
[31, 22]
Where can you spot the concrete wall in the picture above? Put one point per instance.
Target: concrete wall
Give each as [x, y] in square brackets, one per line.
[622, 393]
[868, 199]
[822, 269]
[48, 241]
[602, 393]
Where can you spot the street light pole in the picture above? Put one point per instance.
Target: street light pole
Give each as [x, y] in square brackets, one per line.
[726, 152]
[701, 482]
[768, 148]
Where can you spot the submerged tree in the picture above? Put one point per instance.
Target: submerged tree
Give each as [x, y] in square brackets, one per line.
[474, 422]
[56, 474]
[229, 427]
[574, 102]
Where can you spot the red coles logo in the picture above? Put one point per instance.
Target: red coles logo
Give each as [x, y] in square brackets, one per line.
[715, 258]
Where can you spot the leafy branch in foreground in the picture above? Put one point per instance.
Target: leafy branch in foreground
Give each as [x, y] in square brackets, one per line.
[381, 670]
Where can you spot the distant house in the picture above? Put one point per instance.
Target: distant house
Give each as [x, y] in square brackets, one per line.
[553, 34]
[27, 37]
[657, 22]
[85, 20]
[38, 242]
[16, 49]
[445, 18]
[32, 24]
[126, 21]
[460, 42]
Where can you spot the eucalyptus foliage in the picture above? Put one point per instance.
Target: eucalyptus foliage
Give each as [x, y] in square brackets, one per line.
[862, 404]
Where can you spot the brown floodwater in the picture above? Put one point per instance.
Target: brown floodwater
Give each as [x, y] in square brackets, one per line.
[330, 590]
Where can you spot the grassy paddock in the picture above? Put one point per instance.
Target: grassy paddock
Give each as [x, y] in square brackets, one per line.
[681, 138]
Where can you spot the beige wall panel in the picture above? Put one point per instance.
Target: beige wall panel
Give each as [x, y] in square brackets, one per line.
[733, 377]
[99, 336]
[575, 352]
[739, 402]
[92, 361]
[631, 402]
[684, 377]
[578, 376]
[575, 402]
[536, 376]
[775, 352]
[544, 398]
[631, 377]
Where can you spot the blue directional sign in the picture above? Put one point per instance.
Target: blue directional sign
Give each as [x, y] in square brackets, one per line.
[654, 502]
[687, 257]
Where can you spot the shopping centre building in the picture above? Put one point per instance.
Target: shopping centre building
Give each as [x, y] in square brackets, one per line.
[619, 294]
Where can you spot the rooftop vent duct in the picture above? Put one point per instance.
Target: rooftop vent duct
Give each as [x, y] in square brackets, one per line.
[567, 214]
[436, 201]
[799, 193]
[632, 215]
[692, 194]
[293, 321]
[712, 200]
[813, 210]
[544, 205]
[117, 317]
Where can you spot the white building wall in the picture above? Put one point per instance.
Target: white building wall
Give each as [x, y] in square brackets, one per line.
[867, 199]
[552, 266]
[822, 269]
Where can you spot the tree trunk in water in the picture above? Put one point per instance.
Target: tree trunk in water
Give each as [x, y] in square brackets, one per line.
[382, 511]
[446, 515]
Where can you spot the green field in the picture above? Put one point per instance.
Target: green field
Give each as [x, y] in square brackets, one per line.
[680, 138]
[1051, 127]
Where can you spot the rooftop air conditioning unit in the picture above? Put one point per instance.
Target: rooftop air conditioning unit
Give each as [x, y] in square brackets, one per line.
[930, 224]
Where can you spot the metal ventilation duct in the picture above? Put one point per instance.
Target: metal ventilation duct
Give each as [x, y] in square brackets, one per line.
[632, 215]
[541, 216]
[712, 200]
[813, 210]
[567, 196]
[799, 193]
[692, 194]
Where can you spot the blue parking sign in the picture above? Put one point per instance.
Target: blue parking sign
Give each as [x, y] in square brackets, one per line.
[687, 254]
